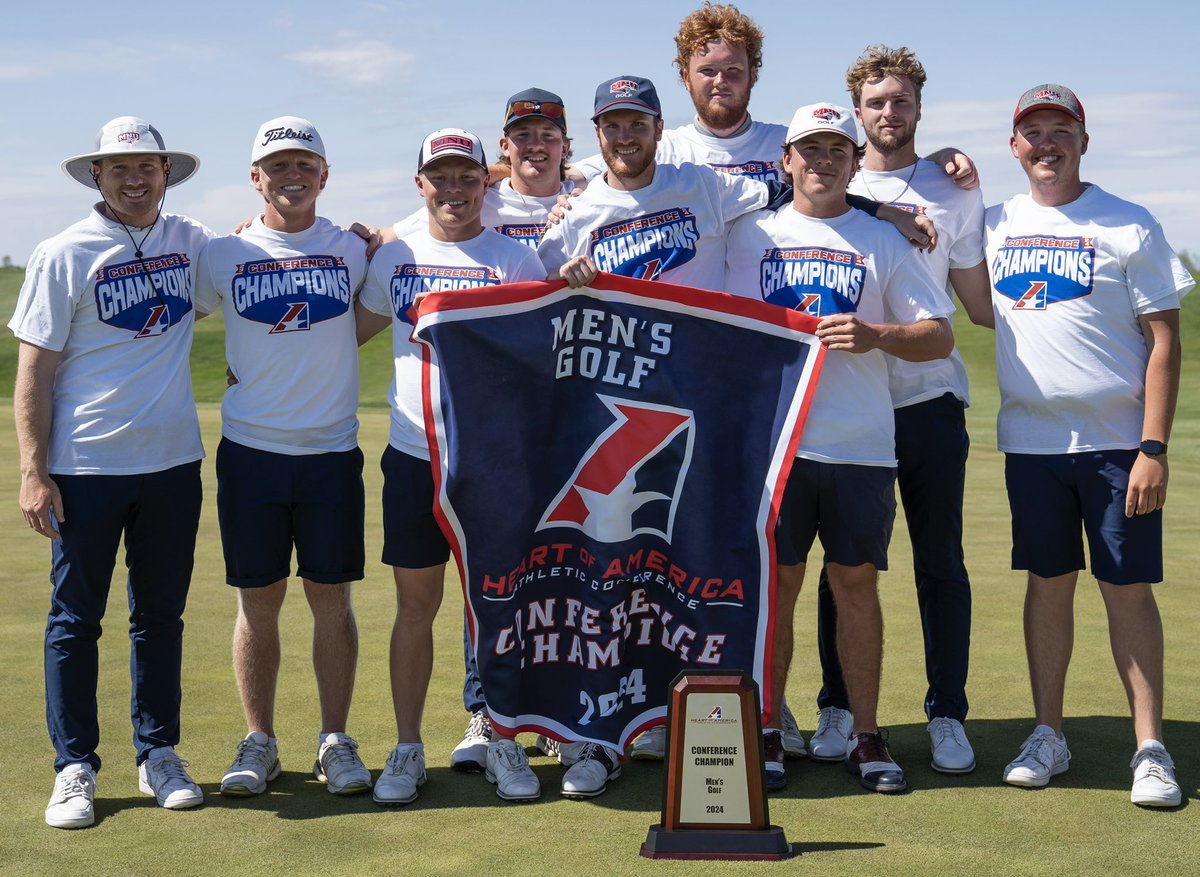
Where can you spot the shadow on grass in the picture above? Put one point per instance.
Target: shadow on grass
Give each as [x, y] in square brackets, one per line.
[1101, 747]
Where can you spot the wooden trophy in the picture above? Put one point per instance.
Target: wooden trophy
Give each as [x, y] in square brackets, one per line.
[714, 796]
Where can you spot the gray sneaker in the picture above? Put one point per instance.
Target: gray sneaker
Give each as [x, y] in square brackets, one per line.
[339, 767]
[404, 774]
[508, 768]
[952, 752]
[832, 737]
[793, 741]
[470, 755]
[255, 765]
[164, 775]
[650, 745]
[1043, 755]
[71, 801]
[589, 775]
[1154, 783]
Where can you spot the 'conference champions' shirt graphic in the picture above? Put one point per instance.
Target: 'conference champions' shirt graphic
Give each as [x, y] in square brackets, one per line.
[409, 280]
[145, 296]
[766, 171]
[814, 280]
[1036, 271]
[290, 295]
[646, 246]
[528, 234]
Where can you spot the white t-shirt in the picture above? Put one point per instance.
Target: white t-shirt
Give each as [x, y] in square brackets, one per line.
[288, 303]
[755, 153]
[417, 263]
[505, 210]
[122, 401]
[849, 264]
[1068, 284]
[958, 216]
[672, 230]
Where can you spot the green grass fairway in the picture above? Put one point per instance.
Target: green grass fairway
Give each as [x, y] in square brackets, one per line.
[1083, 824]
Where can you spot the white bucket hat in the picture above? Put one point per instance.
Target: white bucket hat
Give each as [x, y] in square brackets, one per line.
[129, 135]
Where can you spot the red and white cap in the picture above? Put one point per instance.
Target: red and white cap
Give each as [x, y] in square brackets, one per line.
[129, 135]
[1049, 97]
[813, 118]
[451, 142]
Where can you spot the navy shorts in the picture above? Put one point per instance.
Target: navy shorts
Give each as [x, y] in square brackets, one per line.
[852, 508]
[267, 503]
[412, 538]
[1052, 495]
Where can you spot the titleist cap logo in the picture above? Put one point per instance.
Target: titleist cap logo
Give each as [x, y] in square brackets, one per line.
[273, 134]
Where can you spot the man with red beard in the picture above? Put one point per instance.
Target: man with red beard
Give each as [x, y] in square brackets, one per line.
[719, 56]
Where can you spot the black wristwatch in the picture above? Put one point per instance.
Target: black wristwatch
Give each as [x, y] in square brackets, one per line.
[1152, 448]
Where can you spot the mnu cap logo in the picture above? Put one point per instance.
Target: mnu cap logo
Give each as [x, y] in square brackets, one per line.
[826, 114]
[129, 137]
[1047, 94]
[450, 141]
[623, 87]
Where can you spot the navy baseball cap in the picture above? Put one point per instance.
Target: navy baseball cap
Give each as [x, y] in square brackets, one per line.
[627, 93]
[1049, 97]
[535, 103]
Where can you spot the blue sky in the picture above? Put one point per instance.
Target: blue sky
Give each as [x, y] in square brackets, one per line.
[376, 76]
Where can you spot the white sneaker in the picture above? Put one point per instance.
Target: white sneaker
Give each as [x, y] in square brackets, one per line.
[952, 752]
[164, 775]
[404, 774]
[793, 741]
[339, 767]
[832, 738]
[71, 801]
[508, 768]
[565, 753]
[650, 745]
[1043, 755]
[1154, 783]
[589, 776]
[255, 765]
[471, 754]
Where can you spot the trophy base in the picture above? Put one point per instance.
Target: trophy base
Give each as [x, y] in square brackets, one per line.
[749, 845]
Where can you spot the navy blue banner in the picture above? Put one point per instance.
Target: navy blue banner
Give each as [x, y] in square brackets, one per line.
[610, 462]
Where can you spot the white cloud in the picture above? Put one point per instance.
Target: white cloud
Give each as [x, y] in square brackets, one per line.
[356, 62]
[25, 64]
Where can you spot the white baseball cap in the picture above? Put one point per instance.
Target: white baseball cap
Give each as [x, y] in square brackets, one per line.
[823, 117]
[451, 141]
[129, 135]
[286, 132]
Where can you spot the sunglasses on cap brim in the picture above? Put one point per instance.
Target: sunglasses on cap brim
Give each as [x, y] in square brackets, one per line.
[521, 108]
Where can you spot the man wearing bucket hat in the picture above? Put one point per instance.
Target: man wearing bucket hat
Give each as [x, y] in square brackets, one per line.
[873, 295]
[289, 471]
[1085, 292]
[110, 448]
[453, 251]
[534, 149]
